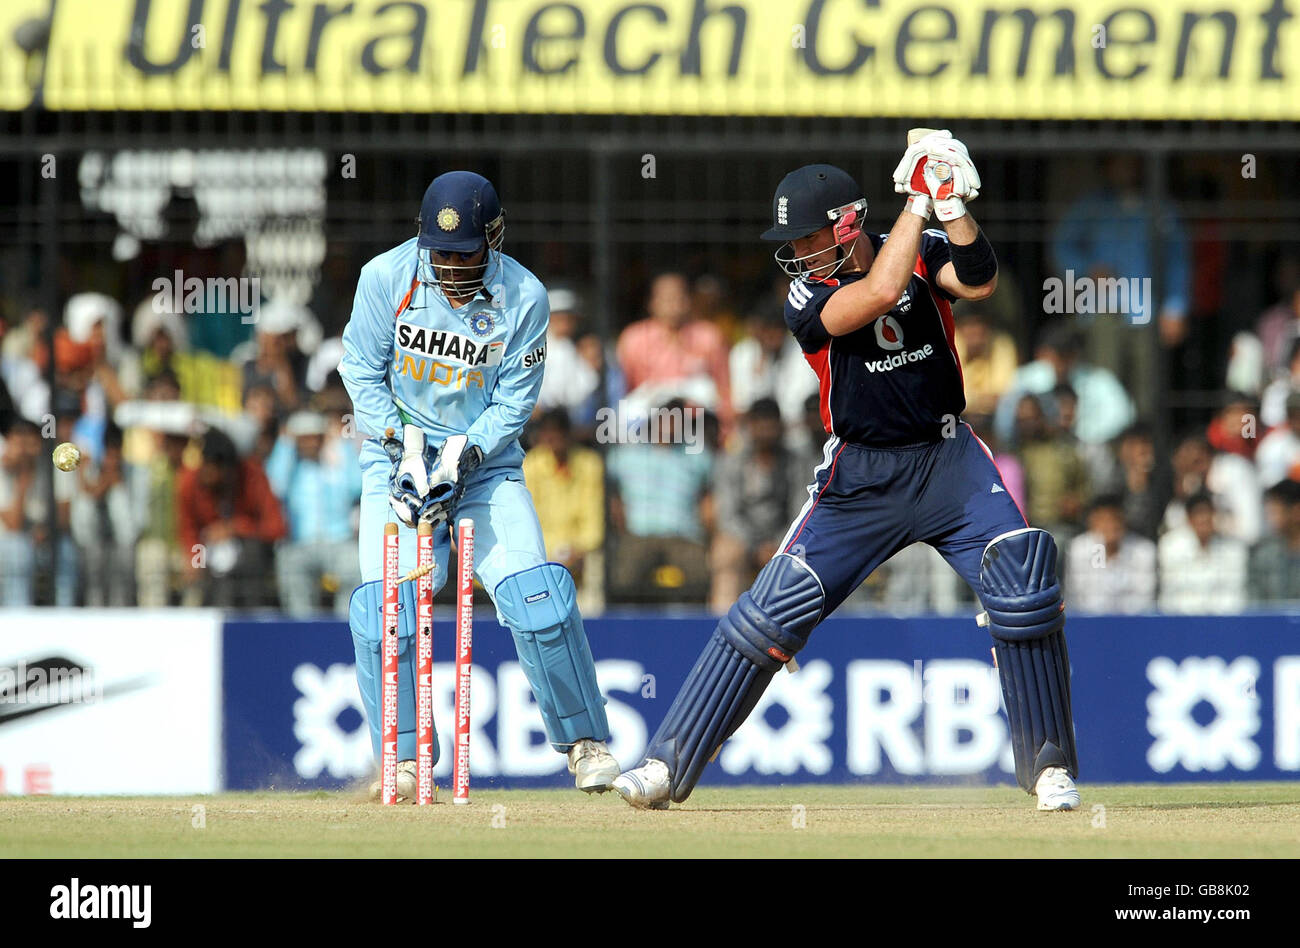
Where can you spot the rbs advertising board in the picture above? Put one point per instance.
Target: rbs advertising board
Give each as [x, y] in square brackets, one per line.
[877, 699]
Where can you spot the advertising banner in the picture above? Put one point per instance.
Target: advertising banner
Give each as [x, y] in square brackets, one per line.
[110, 701]
[1102, 59]
[877, 699]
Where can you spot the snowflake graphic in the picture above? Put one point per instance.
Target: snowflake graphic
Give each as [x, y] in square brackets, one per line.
[326, 746]
[798, 743]
[1180, 687]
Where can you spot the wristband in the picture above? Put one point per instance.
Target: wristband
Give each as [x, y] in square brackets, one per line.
[974, 263]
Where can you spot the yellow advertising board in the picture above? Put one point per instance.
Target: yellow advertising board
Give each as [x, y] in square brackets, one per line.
[1087, 59]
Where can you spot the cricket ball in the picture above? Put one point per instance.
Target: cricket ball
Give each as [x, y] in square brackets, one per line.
[67, 456]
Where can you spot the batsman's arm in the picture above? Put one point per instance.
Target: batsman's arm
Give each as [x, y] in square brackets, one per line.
[875, 294]
[972, 273]
[519, 381]
[367, 354]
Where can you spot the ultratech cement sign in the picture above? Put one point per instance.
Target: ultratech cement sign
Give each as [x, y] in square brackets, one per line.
[1230, 59]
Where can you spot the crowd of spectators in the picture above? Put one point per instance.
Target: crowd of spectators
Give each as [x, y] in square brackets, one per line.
[667, 462]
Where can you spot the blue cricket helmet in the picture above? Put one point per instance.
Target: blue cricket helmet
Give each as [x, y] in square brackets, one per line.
[460, 213]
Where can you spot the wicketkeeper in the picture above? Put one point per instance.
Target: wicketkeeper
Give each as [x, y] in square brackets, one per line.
[447, 345]
[873, 316]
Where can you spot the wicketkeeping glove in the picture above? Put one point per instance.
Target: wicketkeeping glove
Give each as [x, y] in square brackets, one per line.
[457, 459]
[408, 481]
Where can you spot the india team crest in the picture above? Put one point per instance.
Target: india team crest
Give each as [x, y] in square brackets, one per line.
[482, 324]
[448, 218]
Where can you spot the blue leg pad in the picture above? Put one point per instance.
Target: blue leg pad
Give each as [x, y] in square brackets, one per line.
[761, 632]
[366, 618]
[1022, 597]
[540, 607]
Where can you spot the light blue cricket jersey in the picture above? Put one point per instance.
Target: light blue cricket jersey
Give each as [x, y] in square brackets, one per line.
[408, 356]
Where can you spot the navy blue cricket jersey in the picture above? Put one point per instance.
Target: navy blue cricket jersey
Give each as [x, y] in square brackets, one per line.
[896, 380]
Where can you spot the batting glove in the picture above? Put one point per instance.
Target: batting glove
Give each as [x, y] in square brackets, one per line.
[951, 179]
[906, 173]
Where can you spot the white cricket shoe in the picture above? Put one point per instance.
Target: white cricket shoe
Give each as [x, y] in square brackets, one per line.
[1056, 790]
[593, 766]
[406, 783]
[647, 787]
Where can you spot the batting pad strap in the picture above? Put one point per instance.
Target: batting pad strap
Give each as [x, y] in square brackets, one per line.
[540, 607]
[770, 622]
[366, 612]
[1019, 586]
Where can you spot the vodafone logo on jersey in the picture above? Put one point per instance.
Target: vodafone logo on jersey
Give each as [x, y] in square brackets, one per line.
[889, 335]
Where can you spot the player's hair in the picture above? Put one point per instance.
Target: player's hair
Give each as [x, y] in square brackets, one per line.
[1199, 499]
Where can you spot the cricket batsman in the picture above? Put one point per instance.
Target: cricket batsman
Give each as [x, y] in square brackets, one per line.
[872, 314]
[446, 347]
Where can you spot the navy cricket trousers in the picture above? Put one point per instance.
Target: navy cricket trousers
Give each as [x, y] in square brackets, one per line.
[866, 504]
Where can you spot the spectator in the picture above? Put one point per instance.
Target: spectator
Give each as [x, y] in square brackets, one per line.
[1107, 234]
[262, 416]
[317, 478]
[754, 489]
[710, 301]
[8, 413]
[1278, 456]
[159, 338]
[610, 386]
[988, 362]
[286, 334]
[1278, 326]
[1272, 402]
[569, 379]
[159, 558]
[227, 520]
[1104, 408]
[1109, 568]
[24, 358]
[20, 507]
[1141, 484]
[806, 439]
[669, 354]
[1056, 479]
[104, 526]
[1229, 478]
[1201, 572]
[662, 512]
[1275, 560]
[1097, 458]
[768, 363]
[1234, 429]
[568, 487]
